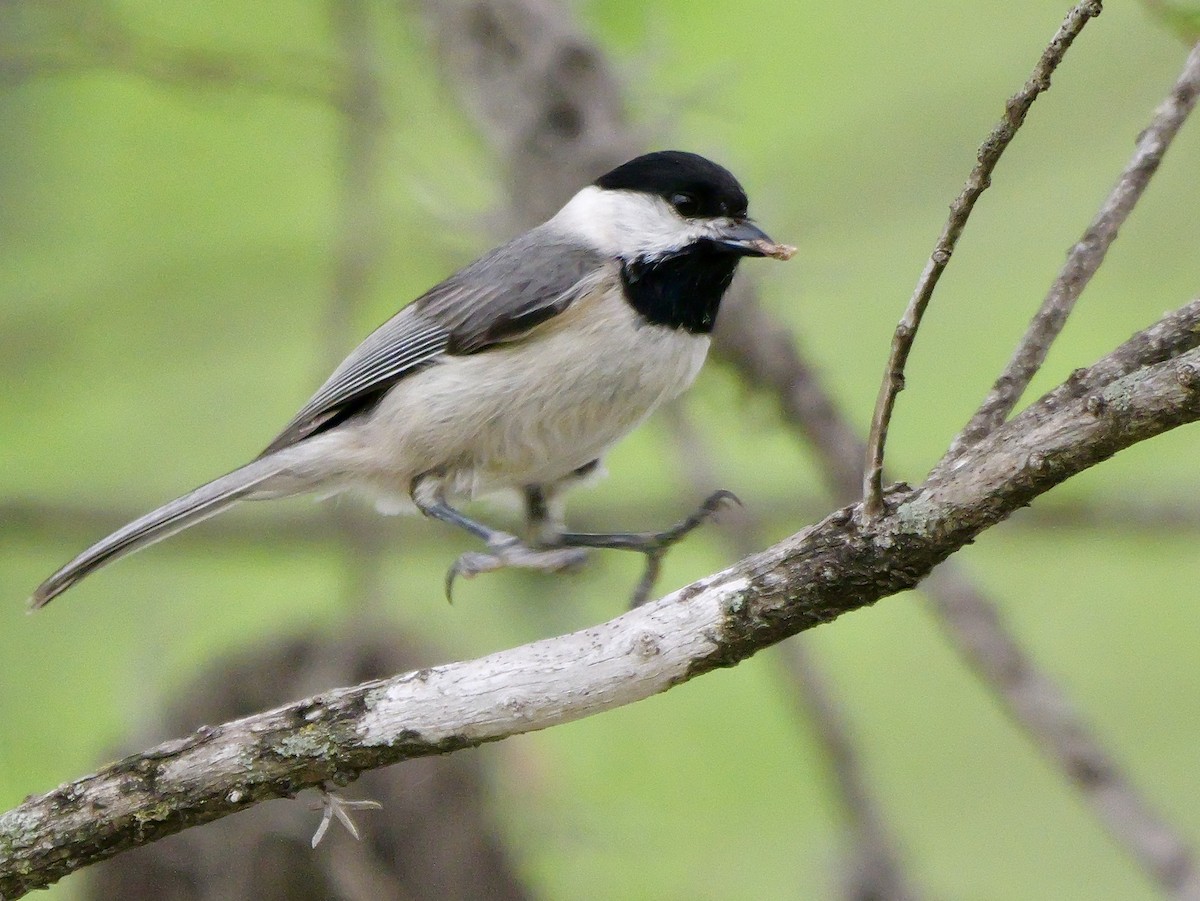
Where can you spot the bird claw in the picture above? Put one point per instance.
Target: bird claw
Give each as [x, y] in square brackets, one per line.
[641, 593]
[658, 543]
[507, 551]
[513, 554]
[334, 805]
[713, 504]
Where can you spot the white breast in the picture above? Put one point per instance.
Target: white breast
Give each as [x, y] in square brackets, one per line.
[531, 412]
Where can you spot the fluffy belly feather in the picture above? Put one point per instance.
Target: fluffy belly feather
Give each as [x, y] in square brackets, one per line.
[533, 411]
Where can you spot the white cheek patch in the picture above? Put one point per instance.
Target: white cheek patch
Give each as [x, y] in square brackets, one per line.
[627, 224]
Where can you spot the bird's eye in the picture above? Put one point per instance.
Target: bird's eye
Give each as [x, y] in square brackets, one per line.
[685, 204]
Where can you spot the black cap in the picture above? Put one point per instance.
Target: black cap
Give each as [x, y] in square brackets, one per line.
[696, 186]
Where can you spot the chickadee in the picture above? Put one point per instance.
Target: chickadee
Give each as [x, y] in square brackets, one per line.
[518, 372]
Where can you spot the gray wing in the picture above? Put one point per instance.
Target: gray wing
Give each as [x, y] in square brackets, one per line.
[498, 298]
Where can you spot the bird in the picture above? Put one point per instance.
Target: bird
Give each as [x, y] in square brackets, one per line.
[517, 373]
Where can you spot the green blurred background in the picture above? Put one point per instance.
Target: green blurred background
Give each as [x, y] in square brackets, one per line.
[166, 247]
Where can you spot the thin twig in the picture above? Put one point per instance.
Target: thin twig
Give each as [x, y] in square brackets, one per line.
[960, 210]
[509, 703]
[1176, 333]
[1084, 258]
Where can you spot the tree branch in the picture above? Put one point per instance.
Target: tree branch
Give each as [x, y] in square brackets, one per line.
[1085, 258]
[838, 565]
[978, 181]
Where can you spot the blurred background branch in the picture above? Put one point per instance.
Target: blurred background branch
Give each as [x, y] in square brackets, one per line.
[550, 104]
[48, 38]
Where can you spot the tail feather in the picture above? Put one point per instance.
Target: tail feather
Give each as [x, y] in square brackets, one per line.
[175, 516]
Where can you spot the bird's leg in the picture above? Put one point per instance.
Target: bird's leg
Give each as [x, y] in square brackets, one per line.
[653, 544]
[504, 550]
[543, 516]
[545, 512]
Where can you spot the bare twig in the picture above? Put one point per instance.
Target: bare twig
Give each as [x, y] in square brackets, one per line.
[978, 181]
[1085, 258]
[1174, 334]
[840, 564]
[727, 319]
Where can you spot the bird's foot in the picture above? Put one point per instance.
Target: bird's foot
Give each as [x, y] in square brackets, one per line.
[334, 806]
[510, 552]
[661, 542]
[654, 545]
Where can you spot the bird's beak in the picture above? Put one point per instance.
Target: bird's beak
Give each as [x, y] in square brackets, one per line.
[747, 239]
